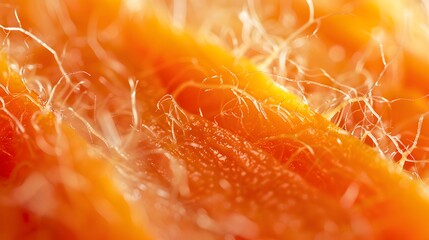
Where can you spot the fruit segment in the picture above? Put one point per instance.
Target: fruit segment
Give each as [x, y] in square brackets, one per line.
[154, 132]
[376, 48]
[201, 178]
[251, 105]
[53, 185]
[359, 63]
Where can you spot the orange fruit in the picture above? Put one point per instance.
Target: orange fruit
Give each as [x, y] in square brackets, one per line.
[118, 124]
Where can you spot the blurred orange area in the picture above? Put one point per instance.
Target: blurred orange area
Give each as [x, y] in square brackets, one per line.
[186, 119]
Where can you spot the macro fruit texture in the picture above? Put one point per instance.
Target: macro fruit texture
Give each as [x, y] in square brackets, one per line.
[245, 120]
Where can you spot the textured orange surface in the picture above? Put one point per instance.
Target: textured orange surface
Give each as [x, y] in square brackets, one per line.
[157, 132]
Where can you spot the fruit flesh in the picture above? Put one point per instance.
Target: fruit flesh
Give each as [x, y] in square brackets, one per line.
[289, 148]
[216, 183]
[359, 63]
[48, 189]
[278, 135]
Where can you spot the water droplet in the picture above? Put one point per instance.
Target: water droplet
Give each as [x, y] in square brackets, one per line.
[223, 183]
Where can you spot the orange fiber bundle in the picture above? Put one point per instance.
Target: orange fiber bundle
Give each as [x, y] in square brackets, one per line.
[186, 119]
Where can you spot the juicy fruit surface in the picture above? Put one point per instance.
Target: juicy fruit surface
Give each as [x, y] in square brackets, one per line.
[142, 129]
